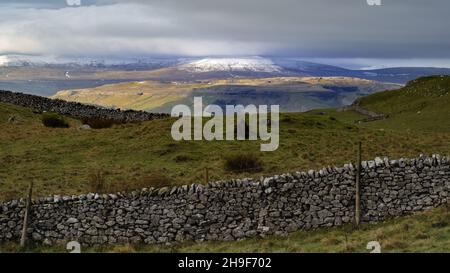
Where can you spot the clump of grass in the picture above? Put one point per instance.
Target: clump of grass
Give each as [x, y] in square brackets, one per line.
[447, 207]
[243, 162]
[331, 241]
[123, 249]
[97, 181]
[421, 236]
[156, 180]
[440, 223]
[54, 121]
[98, 123]
[99, 184]
[11, 194]
[168, 149]
[395, 243]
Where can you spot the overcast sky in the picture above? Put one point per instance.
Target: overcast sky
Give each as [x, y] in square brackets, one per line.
[401, 32]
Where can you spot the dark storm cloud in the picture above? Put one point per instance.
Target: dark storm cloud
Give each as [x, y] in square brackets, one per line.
[304, 28]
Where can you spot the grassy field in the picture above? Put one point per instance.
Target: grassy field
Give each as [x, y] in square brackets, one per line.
[424, 232]
[64, 161]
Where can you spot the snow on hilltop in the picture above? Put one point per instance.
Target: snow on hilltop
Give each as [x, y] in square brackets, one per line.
[254, 64]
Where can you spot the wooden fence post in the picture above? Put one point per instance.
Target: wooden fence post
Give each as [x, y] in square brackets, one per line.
[23, 238]
[357, 187]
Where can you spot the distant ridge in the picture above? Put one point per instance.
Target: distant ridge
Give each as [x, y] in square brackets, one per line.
[13, 68]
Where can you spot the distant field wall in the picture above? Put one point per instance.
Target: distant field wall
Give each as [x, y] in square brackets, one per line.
[236, 209]
[75, 109]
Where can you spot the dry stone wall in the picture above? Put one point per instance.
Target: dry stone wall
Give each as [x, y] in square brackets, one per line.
[75, 109]
[235, 209]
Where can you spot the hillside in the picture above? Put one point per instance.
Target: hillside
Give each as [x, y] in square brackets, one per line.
[423, 104]
[293, 94]
[64, 160]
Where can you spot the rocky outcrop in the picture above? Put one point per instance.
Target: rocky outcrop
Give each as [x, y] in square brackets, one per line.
[236, 209]
[75, 109]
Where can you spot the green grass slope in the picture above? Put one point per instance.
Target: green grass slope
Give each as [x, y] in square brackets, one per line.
[423, 104]
[70, 161]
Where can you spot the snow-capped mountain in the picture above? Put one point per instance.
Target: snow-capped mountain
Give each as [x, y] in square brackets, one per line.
[251, 64]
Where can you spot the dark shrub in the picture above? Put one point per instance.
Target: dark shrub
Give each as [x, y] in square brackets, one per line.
[243, 162]
[97, 123]
[54, 121]
[182, 158]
